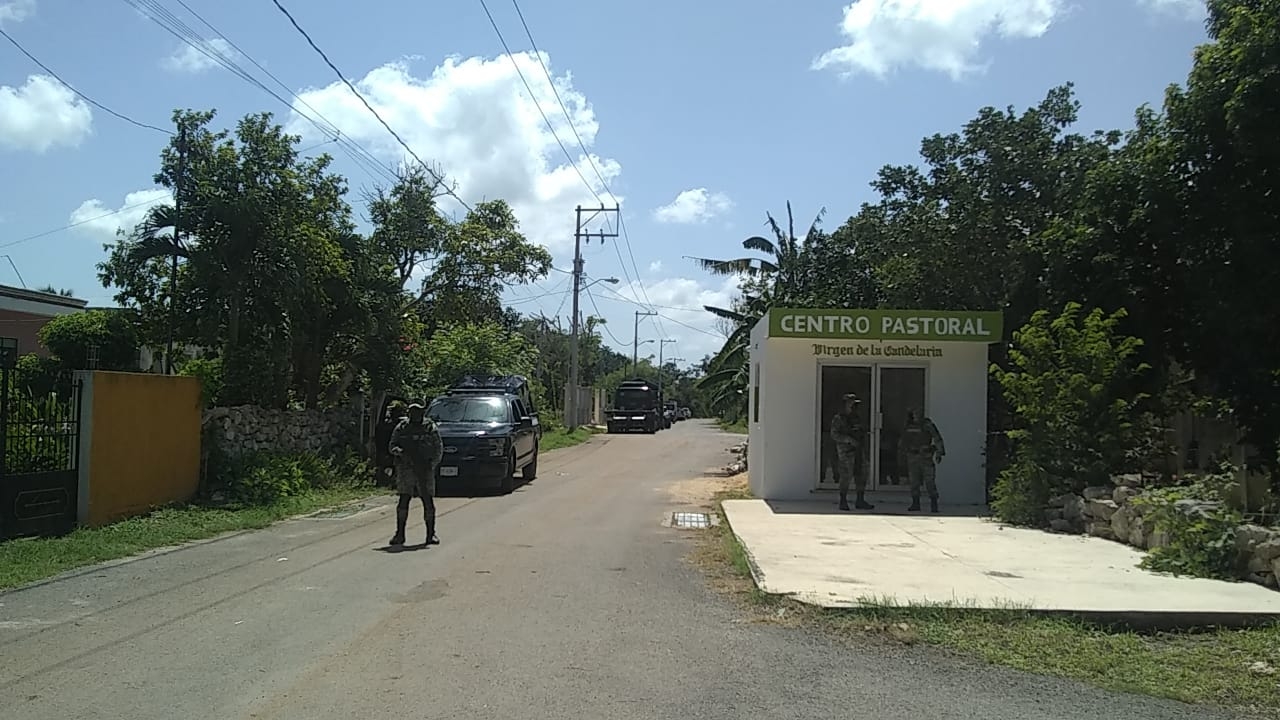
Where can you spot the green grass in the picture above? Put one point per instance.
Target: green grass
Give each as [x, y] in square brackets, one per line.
[27, 560]
[561, 438]
[1210, 667]
[739, 427]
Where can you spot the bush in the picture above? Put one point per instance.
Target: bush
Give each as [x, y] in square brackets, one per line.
[264, 477]
[1077, 412]
[209, 372]
[1198, 525]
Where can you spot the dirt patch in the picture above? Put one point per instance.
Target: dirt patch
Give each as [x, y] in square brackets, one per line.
[702, 492]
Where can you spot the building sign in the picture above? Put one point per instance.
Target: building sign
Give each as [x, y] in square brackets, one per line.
[919, 325]
[877, 351]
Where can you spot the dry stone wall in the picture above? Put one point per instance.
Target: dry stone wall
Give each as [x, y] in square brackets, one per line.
[244, 429]
[1112, 514]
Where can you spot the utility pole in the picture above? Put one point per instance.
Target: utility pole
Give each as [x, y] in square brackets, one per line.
[661, 344]
[635, 341]
[579, 235]
[177, 235]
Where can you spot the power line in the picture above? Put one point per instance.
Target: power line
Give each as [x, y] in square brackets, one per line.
[117, 211]
[599, 314]
[507, 49]
[175, 26]
[364, 156]
[86, 221]
[637, 303]
[72, 88]
[604, 183]
[551, 81]
[448, 190]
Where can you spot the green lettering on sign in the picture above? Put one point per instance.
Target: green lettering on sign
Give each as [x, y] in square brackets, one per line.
[935, 325]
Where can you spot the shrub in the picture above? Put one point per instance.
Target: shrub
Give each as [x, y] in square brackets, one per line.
[1198, 525]
[265, 477]
[209, 372]
[1077, 413]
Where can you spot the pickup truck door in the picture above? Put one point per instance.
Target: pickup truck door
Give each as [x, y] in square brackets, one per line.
[524, 434]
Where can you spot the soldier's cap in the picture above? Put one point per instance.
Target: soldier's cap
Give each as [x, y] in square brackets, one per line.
[851, 396]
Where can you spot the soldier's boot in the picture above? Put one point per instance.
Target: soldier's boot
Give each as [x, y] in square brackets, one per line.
[915, 504]
[844, 501]
[933, 504]
[861, 502]
[402, 519]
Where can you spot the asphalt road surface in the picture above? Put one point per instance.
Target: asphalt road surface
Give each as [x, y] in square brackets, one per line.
[566, 599]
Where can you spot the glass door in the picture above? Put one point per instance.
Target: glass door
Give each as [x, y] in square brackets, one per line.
[834, 382]
[898, 390]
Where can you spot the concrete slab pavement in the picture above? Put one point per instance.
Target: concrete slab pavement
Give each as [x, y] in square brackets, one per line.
[820, 557]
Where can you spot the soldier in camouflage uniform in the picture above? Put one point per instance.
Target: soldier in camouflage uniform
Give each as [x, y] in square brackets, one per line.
[922, 444]
[417, 448]
[849, 436]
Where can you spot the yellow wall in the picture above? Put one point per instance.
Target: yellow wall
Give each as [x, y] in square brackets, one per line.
[144, 443]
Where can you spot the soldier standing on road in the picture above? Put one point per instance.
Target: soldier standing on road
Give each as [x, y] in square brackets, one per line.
[848, 435]
[922, 444]
[417, 448]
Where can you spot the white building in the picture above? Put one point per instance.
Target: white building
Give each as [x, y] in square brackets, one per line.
[804, 360]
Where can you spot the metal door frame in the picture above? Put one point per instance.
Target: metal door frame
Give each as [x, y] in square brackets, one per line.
[876, 415]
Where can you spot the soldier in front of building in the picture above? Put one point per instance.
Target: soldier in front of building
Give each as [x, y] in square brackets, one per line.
[417, 447]
[849, 436]
[922, 444]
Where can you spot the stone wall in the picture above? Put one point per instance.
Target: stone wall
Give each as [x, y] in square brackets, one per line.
[246, 428]
[1110, 513]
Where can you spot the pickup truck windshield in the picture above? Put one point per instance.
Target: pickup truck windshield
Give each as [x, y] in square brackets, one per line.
[469, 410]
[635, 400]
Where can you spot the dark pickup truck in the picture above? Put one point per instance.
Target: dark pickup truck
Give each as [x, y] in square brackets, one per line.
[488, 437]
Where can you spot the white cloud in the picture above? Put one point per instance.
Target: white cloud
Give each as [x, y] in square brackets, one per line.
[693, 206]
[655, 266]
[680, 302]
[192, 59]
[1189, 9]
[473, 118]
[93, 216]
[940, 35]
[41, 114]
[15, 11]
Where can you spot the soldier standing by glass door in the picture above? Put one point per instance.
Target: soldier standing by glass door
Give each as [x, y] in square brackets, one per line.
[850, 437]
[922, 444]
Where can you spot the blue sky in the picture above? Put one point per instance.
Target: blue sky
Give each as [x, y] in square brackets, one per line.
[701, 116]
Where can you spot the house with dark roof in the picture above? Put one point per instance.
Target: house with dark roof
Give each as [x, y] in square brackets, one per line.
[23, 312]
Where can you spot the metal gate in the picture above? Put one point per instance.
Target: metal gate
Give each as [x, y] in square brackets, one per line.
[39, 449]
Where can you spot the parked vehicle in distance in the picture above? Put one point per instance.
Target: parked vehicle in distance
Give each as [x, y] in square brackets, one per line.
[685, 413]
[670, 413]
[488, 437]
[636, 406]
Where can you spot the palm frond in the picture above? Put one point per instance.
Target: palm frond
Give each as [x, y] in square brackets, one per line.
[738, 266]
[760, 244]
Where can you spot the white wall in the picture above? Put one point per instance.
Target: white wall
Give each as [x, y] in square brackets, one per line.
[783, 451]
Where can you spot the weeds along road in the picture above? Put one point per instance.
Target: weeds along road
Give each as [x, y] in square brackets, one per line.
[566, 599]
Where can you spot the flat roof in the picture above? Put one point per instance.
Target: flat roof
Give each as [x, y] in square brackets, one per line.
[40, 296]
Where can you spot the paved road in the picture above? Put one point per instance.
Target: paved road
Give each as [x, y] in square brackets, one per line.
[566, 599]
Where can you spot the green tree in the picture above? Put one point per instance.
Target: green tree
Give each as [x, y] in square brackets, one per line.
[102, 339]
[469, 348]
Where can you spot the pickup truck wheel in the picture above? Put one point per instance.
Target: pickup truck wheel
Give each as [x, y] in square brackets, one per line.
[509, 478]
[530, 471]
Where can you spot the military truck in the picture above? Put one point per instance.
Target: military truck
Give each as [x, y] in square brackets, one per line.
[637, 405]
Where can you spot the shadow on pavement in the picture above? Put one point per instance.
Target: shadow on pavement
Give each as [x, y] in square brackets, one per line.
[395, 549]
[896, 507]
